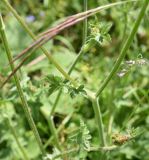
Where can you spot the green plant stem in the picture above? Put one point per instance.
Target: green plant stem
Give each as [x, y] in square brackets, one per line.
[110, 127]
[48, 55]
[69, 73]
[25, 156]
[51, 123]
[64, 122]
[77, 58]
[92, 149]
[107, 148]
[19, 89]
[54, 133]
[65, 153]
[56, 102]
[98, 118]
[85, 24]
[52, 129]
[111, 112]
[124, 48]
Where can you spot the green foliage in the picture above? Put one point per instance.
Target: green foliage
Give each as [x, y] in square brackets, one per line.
[124, 102]
[52, 83]
[81, 139]
[98, 34]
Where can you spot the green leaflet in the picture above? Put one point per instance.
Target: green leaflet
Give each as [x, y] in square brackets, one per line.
[52, 83]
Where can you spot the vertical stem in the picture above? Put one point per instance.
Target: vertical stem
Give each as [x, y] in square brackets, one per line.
[111, 118]
[99, 122]
[124, 48]
[85, 23]
[111, 112]
[19, 89]
[54, 133]
[16, 139]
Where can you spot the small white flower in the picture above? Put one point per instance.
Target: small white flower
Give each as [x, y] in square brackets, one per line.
[122, 73]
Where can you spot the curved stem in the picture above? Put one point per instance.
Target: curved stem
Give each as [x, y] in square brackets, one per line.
[125, 48]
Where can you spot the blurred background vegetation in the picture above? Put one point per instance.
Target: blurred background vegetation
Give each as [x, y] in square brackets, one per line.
[125, 102]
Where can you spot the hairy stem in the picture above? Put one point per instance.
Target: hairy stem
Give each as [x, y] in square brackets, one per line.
[124, 48]
[19, 89]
